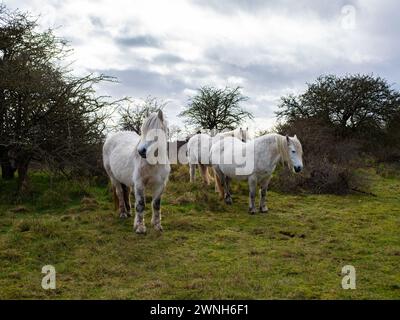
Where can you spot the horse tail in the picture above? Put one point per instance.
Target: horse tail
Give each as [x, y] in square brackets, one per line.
[204, 173]
[218, 184]
[210, 176]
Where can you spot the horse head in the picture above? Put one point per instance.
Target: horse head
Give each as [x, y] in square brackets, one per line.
[295, 153]
[153, 141]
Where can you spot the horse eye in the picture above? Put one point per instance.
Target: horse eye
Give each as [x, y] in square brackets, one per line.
[293, 151]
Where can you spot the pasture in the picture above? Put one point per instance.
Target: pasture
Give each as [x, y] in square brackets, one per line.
[207, 251]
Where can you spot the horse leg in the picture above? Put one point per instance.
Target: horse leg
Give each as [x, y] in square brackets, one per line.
[204, 174]
[263, 195]
[115, 198]
[192, 168]
[139, 225]
[252, 195]
[227, 195]
[120, 195]
[127, 199]
[156, 204]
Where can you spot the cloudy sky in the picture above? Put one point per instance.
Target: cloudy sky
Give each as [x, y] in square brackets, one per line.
[270, 48]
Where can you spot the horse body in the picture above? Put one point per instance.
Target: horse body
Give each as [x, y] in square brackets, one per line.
[199, 146]
[118, 152]
[261, 158]
[125, 158]
[261, 153]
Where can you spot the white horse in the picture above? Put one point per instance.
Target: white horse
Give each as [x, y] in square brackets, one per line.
[139, 162]
[261, 157]
[198, 150]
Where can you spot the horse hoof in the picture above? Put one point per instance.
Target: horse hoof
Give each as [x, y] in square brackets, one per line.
[252, 211]
[228, 201]
[264, 210]
[158, 227]
[123, 215]
[141, 229]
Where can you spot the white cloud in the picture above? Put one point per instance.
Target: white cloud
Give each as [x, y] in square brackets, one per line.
[170, 48]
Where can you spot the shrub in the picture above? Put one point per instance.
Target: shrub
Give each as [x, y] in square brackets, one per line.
[389, 170]
[343, 122]
[330, 163]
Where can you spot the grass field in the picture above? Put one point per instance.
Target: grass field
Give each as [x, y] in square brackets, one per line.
[207, 250]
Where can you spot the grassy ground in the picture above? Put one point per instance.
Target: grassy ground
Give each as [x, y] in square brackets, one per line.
[207, 250]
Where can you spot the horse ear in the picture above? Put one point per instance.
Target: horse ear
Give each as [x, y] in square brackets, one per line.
[287, 139]
[295, 136]
[160, 115]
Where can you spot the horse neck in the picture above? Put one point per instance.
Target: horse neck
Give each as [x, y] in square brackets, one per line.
[164, 157]
[267, 147]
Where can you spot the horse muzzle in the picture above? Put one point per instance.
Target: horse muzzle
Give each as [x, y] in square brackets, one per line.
[297, 169]
[142, 152]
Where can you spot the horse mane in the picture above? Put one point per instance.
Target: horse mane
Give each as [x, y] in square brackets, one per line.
[283, 149]
[153, 122]
[282, 146]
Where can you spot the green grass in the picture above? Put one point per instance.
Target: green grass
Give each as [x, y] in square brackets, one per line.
[207, 250]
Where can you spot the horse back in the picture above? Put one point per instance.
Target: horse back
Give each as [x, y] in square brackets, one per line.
[119, 155]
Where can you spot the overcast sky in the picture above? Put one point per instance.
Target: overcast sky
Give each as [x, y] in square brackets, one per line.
[270, 48]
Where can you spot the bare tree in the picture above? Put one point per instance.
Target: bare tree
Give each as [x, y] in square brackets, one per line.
[214, 108]
[132, 115]
[46, 113]
[174, 132]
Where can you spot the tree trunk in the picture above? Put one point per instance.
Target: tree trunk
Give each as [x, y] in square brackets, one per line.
[22, 181]
[7, 170]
